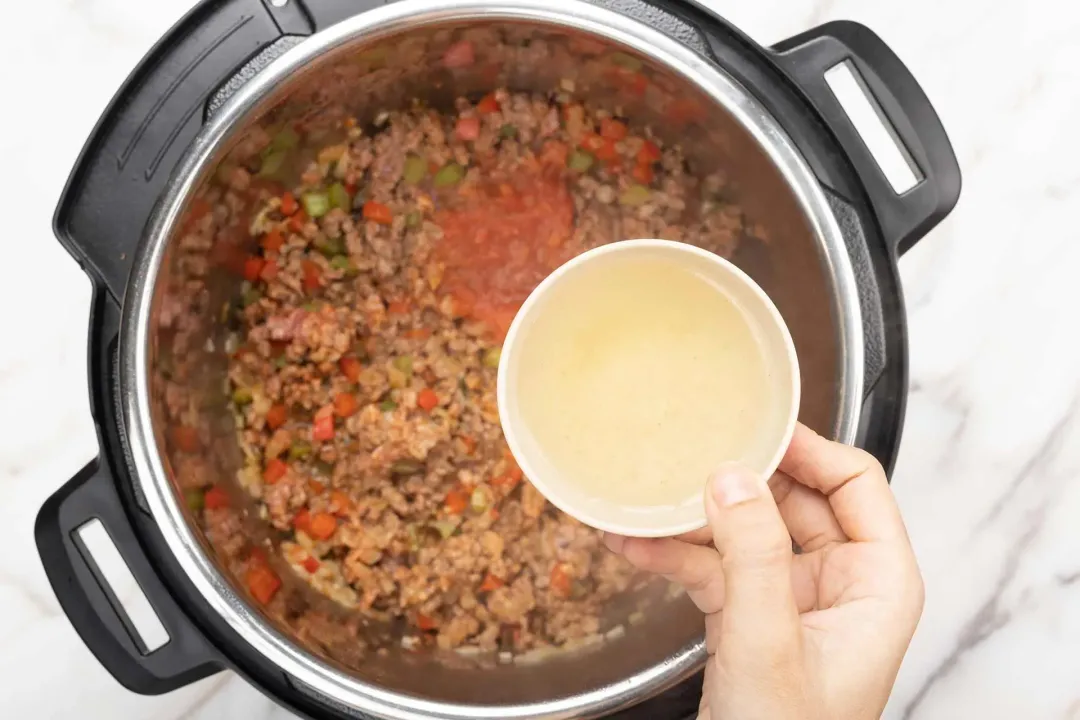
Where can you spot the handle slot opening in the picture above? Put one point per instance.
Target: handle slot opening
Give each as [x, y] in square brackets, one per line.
[876, 132]
[113, 575]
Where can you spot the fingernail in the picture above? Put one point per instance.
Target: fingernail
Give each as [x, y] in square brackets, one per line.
[733, 485]
[614, 542]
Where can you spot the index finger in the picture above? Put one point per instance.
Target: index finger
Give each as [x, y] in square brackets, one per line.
[853, 481]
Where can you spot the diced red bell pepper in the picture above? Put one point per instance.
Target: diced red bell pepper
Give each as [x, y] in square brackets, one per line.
[269, 270]
[377, 212]
[298, 221]
[350, 368]
[649, 153]
[186, 438]
[468, 128]
[340, 503]
[345, 404]
[560, 581]
[456, 502]
[490, 583]
[274, 471]
[487, 105]
[215, 498]
[323, 427]
[253, 268]
[312, 275]
[273, 241]
[263, 583]
[427, 399]
[302, 521]
[642, 173]
[289, 205]
[276, 416]
[612, 129]
[323, 525]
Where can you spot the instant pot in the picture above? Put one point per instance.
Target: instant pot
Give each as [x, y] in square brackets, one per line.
[827, 224]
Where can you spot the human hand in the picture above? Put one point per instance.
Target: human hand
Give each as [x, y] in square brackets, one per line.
[811, 636]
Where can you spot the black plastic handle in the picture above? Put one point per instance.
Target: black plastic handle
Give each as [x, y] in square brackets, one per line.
[155, 115]
[906, 217]
[89, 603]
[146, 128]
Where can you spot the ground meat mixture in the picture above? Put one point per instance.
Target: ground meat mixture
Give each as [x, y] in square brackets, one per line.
[363, 371]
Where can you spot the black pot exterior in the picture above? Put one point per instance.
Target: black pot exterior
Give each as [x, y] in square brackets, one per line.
[146, 129]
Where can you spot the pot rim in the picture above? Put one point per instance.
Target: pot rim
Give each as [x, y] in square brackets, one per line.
[150, 474]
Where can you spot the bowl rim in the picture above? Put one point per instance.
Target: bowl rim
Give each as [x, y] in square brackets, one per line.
[150, 477]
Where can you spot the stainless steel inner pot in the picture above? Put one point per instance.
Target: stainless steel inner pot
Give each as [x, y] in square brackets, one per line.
[383, 59]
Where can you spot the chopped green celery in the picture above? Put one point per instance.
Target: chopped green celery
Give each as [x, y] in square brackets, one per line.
[626, 62]
[480, 500]
[580, 161]
[164, 365]
[272, 162]
[341, 262]
[403, 363]
[286, 139]
[299, 450]
[281, 361]
[414, 219]
[388, 405]
[444, 527]
[194, 499]
[329, 247]
[250, 296]
[492, 356]
[449, 174]
[242, 396]
[508, 131]
[323, 468]
[339, 197]
[376, 57]
[316, 204]
[634, 195]
[415, 169]
[406, 466]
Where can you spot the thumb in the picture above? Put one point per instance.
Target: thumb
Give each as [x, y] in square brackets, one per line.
[755, 549]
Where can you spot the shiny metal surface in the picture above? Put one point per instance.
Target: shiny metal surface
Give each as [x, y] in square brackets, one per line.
[808, 274]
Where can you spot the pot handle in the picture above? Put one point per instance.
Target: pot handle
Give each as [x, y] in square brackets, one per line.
[905, 216]
[91, 500]
[147, 126]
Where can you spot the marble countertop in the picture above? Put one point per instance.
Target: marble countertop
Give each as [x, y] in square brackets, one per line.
[989, 472]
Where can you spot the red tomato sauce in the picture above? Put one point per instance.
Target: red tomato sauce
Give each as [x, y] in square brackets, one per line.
[500, 239]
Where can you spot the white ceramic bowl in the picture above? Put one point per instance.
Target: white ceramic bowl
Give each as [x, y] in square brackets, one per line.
[683, 514]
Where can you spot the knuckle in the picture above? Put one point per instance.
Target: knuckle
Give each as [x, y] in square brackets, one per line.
[870, 464]
[645, 554]
[765, 552]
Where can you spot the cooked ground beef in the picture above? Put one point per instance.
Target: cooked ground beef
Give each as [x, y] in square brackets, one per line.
[363, 381]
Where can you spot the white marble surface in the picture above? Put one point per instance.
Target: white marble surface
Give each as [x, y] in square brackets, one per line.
[989, 474]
